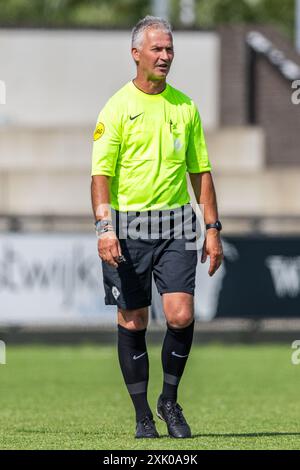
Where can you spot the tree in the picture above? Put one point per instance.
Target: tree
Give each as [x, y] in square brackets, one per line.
[124, 13]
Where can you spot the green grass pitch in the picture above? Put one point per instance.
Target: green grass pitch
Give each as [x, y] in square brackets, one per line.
[73, 397]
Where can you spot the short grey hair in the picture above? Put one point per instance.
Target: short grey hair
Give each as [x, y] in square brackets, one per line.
[145, 23]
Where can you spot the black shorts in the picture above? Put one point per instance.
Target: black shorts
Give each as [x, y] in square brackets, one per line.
[152, 242]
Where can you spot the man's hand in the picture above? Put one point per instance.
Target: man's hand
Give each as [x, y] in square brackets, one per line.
[109, 248]
[212, 247]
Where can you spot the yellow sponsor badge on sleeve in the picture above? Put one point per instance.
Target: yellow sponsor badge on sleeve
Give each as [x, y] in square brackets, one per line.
[99, 131]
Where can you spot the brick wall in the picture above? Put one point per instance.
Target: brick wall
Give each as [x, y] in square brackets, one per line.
[275, 112]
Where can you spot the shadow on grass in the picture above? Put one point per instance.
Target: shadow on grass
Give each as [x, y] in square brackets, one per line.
[213, 435]
[253, 434]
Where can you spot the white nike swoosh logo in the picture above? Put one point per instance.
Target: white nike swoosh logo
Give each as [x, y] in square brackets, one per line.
[137, 357]
[177, 355]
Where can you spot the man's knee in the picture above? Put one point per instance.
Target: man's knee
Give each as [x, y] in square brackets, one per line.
[133, 319]
[181, 319]
[179, 309]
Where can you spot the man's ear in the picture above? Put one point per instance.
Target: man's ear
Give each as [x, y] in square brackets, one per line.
[135, 55]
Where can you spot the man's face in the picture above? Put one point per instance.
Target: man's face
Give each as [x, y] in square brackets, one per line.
[156, 54]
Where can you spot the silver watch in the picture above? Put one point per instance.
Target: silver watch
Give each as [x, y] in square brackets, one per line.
[103, 225]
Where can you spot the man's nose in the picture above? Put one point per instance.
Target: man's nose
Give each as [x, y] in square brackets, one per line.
[164, 55]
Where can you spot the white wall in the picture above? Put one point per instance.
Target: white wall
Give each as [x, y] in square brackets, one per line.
[64, 77]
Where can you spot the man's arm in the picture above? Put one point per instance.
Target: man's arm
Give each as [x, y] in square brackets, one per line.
[100, 197]
[109, 248]
[205, 193]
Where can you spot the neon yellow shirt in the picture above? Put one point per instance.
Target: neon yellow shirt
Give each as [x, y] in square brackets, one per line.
[147, 143]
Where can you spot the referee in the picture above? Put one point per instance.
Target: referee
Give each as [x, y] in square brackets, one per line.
[147, 137]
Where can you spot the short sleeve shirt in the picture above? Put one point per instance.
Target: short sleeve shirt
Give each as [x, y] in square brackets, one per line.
[146, 144]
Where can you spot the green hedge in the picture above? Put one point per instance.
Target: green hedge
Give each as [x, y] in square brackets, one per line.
[124, 13]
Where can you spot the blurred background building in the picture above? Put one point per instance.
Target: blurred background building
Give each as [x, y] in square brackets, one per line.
[59, 63]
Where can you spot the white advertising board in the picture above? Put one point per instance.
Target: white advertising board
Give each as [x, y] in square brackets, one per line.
[56, 280]
[51, 279]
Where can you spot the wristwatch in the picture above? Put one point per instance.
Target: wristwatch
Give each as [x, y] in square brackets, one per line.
[103, 226]
[217, 225]
[102, 223]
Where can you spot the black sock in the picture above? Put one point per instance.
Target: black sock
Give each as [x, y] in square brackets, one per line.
[134, 362]
[174, 354]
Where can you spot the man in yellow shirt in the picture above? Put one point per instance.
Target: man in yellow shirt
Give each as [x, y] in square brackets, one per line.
[147, 137]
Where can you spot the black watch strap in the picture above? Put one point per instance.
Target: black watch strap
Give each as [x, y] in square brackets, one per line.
[217, 225]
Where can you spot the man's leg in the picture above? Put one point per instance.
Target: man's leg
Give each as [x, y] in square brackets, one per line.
[179, 312]
[133, 357]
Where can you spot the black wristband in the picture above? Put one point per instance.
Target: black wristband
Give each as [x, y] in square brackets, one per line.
[217, 225]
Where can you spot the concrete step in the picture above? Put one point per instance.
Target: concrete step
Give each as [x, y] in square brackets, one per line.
[47, 171]
[231, 149]
[49, 148]
[272, 192]
[236, 149]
